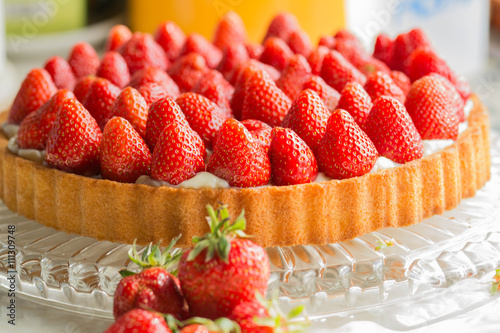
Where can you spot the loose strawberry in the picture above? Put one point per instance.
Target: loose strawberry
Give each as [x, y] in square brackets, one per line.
[316, 58]
[230, 31]
[114, 68]
[400, 140]
[139, 320]
[234, 55]
[294, 75]
[83, 60]
[204, 116]
[239, 158]
[345, 151]
[99, 100]
[160, 114]
[254, 50]
[118, 35]
[328, 95]
[337, 71]
[187, 70]
[61, 73]
[381, 84]
[123, 154]
[260, 131]
[142, 51]
[404, 45]
[133, 107]
[222, 271]
[282, 26]
[432, 110]
[383, 50]
[213, 86]
[179, 154]
[153, 288]
[401, 80]
[308, 117]
[264, 100]
[73, 142]
[299, 42]
[34, 129]
[35, 90]
[355, 100]
[198, 44]
[276, 53]
[171, 38]
[82, 87]
[292, 160]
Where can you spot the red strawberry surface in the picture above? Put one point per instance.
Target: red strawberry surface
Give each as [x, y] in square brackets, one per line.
[154, 75]
[316, 58]
[400, 140]
[264, 100]
[276, 53]
[353, 51]
[247, 314]
[152, 92]
[328, 95]
[160, 114]
[381, 84]
[198, 44]
[83, 60]
[133, 107]
[432, 110]
[401, 80]
[384, 48]
[142, 51]
[355, 100]
[345, 151]
[294, 75]
[292, 161]
[233, 56]
[35, 90]
[308, 117]
[254, 50]
[203, 115]
[282, 25]
[117, 36]
[238, 157]
[82, 87]
[34, 129]
[171, 38]
[214, 86]
[100, 99]
[139, 320]
[300, 43]
[123, 154]
[150, 289]
[458, 103]
[114, 68]
[404, 45]
[230, 31]
[187, 70]
[61, 73]
[73, 142]
[222, 271]
[179, 154]
[260, 131]
[327, 41]
[337, 71]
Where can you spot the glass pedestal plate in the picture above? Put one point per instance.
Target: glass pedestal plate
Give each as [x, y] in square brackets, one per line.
[435, 269]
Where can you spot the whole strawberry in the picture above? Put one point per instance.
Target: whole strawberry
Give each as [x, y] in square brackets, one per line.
[404, 45]
[400, 140]
[171, 38]
[260, 131]
[233, 56]
[34, 129]
[133, 107]
[114, 68]
[73, 142]
[35, 90]
[179, 153]
[316, 58]
[214, 86]
[139, 320]
[384, 49]
[123, 154]
[381, 84]
[153, 288]
[99, 100]
[142, 51]
[355, 100]
[432, 110]
[282, 25]
[292, 161]
[222, 271]
[337, 71]
[276, 53]
[264, 100]
[155, 76]
[294, 75]
[308, 117]
[239, 158]
[198, 44]
[117, 36]
[300, 43]
[61, 73]
[345, 151]
[82, 87]
[187, 70]
[328, 95]
[230, 31]
[83, 60]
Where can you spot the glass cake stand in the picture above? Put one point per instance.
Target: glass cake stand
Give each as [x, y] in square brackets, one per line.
[435, 269]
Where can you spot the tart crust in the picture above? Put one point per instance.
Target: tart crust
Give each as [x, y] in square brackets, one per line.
[314, 213]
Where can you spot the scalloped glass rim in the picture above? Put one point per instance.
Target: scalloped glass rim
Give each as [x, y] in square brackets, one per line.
[80, 274]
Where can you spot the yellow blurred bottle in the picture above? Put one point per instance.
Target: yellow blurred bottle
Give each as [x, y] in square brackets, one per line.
[317, 17]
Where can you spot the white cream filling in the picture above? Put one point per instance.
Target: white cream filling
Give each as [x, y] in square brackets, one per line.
[37, 156]
[200, 180]
[10, 130]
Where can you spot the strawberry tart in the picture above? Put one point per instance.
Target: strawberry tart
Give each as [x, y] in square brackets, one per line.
[318, 144]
